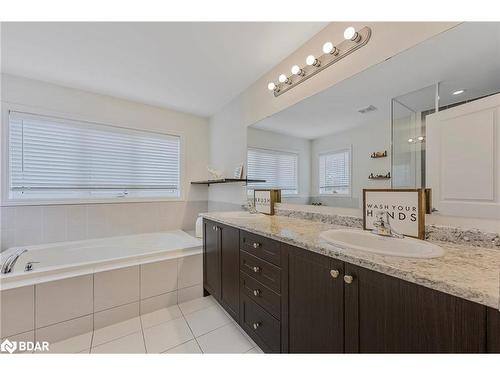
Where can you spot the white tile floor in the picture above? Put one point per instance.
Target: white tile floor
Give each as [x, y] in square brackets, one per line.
[197, 326]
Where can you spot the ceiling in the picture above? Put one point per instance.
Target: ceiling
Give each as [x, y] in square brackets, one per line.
[467, 56]
[192, 67]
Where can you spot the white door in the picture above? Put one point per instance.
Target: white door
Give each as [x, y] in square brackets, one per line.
[463, 159]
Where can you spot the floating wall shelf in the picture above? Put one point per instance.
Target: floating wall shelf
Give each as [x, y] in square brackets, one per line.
[225, 181]
[379, 154]
[380, 176]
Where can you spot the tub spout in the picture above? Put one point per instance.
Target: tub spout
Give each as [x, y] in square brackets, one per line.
[11, 261]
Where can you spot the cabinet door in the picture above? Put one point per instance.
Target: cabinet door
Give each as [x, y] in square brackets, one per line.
[211, 259]
[384, 314]
[493, 332]
[315, 303]
[230, 266]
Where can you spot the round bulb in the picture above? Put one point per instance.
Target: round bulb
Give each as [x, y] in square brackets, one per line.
[310, 60]
[295, 69]
[410, 140]
[282, 78]
[327, 47]
[420, 138]
[271, 86]
[349, 32]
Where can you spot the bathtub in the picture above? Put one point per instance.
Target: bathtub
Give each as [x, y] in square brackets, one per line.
[69, 259]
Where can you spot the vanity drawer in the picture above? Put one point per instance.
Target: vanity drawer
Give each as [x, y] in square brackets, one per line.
[261, 247]
[261, 294]
[261, 270]
[260, 325]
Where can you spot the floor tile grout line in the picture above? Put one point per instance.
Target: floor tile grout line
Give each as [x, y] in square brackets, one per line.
[121, 336]
[192, 333]
[118, 338]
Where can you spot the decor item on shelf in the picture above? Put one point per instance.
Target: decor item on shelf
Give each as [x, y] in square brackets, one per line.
[225, 181]
[238, 171]
[265, 199]
[215, 174]
[331, 54]
[379, 176]
[379, 154]
[404, 209]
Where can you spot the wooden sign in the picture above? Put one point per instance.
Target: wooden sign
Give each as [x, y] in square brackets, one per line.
[406, 208]
[264, 200]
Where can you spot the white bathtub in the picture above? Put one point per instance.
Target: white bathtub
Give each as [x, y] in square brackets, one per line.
[68, 259]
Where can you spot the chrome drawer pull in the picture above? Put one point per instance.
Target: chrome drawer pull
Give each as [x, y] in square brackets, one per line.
[334, 273]
[256, 245]
[256, 325]
[256, 269]
[256, 292]
[348, 279]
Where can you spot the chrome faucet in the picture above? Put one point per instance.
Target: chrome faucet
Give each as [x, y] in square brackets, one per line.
[11, 261]
[383, 227]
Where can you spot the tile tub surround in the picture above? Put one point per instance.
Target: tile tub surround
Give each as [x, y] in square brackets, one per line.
[58, 310]
[472, 273]
[470, 237]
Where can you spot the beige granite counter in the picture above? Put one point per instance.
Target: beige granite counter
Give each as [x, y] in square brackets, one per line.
[472, 273]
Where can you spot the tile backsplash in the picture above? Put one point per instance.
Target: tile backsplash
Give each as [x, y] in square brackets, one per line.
[32, 225]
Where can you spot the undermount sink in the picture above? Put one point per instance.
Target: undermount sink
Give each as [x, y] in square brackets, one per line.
[367, 241]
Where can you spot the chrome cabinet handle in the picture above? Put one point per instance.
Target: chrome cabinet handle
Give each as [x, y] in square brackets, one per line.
[256, 269]
[256, 245]
[214, 228]
[256, 325]
[348, 279]
[256, 292]
[334, 273]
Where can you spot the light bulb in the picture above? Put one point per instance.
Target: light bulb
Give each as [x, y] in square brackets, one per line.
[297, 70]
[271, 86]
[311, 60]
[282, 78]
[410, 140]
[420, 138]
[351, 34]
[327, 47]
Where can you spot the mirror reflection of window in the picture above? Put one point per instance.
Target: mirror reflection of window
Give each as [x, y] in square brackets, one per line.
[335, 173]
[278, 168]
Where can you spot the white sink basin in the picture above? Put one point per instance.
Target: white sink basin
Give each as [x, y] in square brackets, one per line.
[367, 241]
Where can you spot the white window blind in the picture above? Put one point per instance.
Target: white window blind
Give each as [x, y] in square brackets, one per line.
[277, 168]
[52, 158]
[335, 173]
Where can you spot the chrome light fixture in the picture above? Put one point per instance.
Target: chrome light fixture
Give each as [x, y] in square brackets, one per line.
[353, 40]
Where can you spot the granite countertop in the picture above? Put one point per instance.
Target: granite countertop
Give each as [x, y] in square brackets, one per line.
[472, 273]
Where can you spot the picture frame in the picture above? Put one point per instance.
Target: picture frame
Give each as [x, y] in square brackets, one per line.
[265, 199]
[406, 207]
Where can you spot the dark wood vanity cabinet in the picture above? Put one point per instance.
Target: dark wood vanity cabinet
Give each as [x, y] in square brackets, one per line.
[315, 303]
[293, 300]
[221, 265]
[384, 314]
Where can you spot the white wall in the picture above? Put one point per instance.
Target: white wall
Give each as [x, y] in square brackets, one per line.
[26, 225]
[228, 127]
[363, 141]
[273, 141]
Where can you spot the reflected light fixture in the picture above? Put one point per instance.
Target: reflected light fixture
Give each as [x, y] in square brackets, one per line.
[458, 92]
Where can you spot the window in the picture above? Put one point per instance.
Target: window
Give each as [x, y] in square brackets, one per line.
[335, 173]
[278, 168]
[57, 159]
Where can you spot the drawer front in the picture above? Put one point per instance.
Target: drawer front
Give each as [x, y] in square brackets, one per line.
[261, 270]
[261, 247]
[261, 294]
[260, 325]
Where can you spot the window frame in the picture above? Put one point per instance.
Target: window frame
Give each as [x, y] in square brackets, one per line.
[5, 175]
[276, 150]
[330, 152]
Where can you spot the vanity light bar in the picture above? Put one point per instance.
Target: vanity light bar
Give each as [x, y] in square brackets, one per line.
[353, 41]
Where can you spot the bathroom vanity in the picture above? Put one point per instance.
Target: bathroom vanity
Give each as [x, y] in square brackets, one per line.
[293, 293]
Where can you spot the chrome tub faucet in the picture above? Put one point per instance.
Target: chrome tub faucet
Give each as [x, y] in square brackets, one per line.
[11, 261]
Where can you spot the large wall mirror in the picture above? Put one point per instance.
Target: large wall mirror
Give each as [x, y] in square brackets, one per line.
[394, 125]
